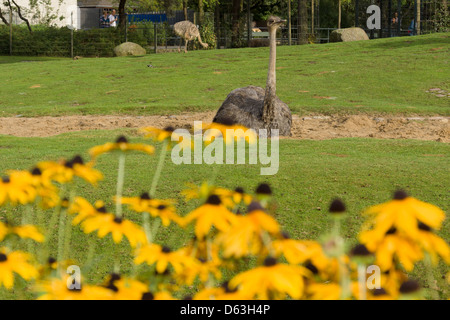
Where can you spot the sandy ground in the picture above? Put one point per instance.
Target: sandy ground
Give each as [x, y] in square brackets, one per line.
[307, 127]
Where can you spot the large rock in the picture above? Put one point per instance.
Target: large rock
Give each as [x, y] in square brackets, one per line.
[348, 34]
[129, 49]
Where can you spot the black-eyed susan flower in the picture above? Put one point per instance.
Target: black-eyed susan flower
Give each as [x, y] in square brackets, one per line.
[301, 251]
[124, 288]
[162, 256]
[403, 213]
[24, 232]
[323, 291]
[119, 228]
[379, 294]
[221, 293]
[164, 209]
[271, 281]
[433, 244]
[83, 209]
[202, 269]
[230, 133]
[249, 233]
[212, 213]
[198, 192]
[58, 289]
[15, 189]
[15, 262]
[123, 145]
[233, 198]
[167, 134]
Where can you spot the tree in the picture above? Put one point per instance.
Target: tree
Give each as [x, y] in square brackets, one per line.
[302, 22]
[122, 15]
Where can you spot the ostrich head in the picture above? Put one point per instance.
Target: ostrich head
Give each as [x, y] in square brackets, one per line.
[275, 22]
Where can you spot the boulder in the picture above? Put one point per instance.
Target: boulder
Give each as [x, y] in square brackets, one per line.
[129, 49]
[348, 34]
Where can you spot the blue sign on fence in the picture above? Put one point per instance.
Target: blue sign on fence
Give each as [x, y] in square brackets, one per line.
[153, 17]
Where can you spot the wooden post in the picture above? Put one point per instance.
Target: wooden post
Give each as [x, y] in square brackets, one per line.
[418, 17]
[289, 23]
[312, 18]
[71, 35]
[249, 24]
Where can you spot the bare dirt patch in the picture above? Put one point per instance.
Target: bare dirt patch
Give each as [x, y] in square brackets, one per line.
[307, 127]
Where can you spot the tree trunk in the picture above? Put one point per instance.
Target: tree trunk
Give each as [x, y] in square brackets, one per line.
[302, 22]
[3, 18]
[122, 15]
[201, 12]
[235, 16]
[418, 17]
[19, 12]
[339, 15]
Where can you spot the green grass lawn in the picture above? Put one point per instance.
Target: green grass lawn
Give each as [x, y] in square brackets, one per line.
[362, 172]
[386, 75]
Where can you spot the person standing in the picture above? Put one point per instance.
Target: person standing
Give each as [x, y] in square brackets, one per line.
[104, 20]
[113, 19]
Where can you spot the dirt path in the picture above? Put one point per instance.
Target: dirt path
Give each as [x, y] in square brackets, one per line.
[308, 127]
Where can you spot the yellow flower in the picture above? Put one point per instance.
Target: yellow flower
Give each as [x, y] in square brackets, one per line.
[301, 251]
[271, 281]
[248, 233]
[198, 192]
[58, 289]
[379, 294]
[108, 223]
[392, 246]
[222, 293]
[15, 262]
[164, 209]
[212, 213]
[433, 244]
[167, 134]
[162, 256]
[124, 288]
[201, 268]
[24, 232]
[231, 199]
[403, 213]
[230, 133]
[64, 171]
[15, 189]
[84, 209]
[323, 291]
[121, 144]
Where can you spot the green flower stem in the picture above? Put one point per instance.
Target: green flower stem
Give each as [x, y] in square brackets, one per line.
[155, 227]
[430, 278]
[157, 175]
[362, 281]
[68, 231]
[61, 229]
[116, 258]
[343, 272]
[146, 225]
[120, 181]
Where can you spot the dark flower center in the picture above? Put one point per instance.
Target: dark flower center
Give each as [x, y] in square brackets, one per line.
[264, 188]
[112, 287]
[118, 220]
[360, 250]
[424, 227]
[166, 249]
[379, 292]
[285, 235]
[227, 289]
[102, 209]
[77, 160]
[68, 164]
[147, 296]
[311, 268]
[392, 230]
[145, 196]
[161, 207]
[121, 139]
[400, 195]
[169, 128]
[36, 172]
[239, 190]
[51, 260]
[214, 200]
[6, 179]
[254, 206]
[337, 206]
[114, 277]
[270, 261]
[187, 298]
[409, 286]
[3, 257]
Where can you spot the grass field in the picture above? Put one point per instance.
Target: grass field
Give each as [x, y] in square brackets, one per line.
[386, 75]
[362, 172]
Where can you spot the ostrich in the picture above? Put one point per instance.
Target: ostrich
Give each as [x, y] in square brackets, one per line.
[188, 31]
[254, 107]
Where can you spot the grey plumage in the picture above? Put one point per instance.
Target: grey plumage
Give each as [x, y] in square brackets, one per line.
[188, 31]
[255, 107]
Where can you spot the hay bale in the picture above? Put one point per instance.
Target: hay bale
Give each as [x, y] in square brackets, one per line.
[129, 49]
[348, 34]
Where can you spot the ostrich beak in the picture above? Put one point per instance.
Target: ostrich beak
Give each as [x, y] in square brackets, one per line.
[282, 21]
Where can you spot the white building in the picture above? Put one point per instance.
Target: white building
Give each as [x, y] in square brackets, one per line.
[81, 14]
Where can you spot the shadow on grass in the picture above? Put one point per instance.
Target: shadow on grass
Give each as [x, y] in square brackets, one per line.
[442, 39]
[26, 59]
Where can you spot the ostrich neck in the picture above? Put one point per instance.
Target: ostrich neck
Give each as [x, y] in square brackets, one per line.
[270, 93]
